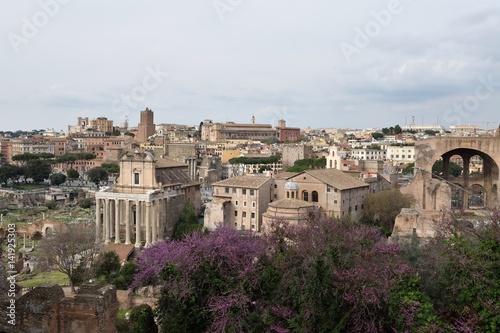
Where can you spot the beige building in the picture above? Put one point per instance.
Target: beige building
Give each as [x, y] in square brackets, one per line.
[102, 124]
[239, 202]
[289, 211]
[144, 204]
[232, 131]
[338, 194]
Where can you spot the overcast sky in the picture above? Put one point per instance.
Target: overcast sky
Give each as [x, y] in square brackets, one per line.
[314, 63]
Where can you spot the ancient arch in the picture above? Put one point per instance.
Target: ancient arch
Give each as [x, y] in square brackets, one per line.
[430, 150]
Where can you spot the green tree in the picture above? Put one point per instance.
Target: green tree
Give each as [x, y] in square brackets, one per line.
[453, 168]
[188, 222]
[57, 179]
[73, 174]
[111, 168]
[125, 276]
[377, 135]
[38, 170]
[382, 208]
[107, 265]
[97, 175]
[10, 172]
[409, 169]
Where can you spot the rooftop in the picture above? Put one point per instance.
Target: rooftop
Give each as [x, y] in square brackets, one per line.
[244, 181]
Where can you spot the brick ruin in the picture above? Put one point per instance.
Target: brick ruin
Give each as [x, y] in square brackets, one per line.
[46, 309]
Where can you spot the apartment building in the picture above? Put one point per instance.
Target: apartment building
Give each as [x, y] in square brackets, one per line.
[239, 202]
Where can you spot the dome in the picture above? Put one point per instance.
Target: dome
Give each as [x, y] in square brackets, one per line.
[290, 185]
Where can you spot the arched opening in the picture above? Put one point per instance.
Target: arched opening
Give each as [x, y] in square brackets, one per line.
[456, 196]
[48, 232]
[314, 196]
[473, 172]
[476, 197]
[305, 195]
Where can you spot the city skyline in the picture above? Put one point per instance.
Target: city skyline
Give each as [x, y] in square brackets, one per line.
[313, 64]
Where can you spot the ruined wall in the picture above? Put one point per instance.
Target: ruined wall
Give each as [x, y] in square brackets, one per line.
[414, 222]
[45, 309]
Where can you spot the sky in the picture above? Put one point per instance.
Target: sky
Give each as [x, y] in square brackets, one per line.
[314, 63]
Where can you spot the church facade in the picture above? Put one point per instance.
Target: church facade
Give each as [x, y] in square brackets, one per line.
[145, 203]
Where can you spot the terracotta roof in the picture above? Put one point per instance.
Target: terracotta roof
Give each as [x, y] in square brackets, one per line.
[168, 163]
[336, 178]
[244, 181]
[291, 203]
[123, 251]
[285, 175]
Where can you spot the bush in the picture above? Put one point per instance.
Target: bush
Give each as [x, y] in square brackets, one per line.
[85, 203]
[52, 205]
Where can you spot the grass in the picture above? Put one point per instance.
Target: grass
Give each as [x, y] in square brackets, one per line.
[44, 277]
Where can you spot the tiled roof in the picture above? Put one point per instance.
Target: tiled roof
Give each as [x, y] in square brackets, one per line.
[244, 181]
[285, 175]
[123, 251]
[168, 163]
[291, 203]
[336, 178]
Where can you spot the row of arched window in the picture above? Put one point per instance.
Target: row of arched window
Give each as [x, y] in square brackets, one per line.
[305, 195]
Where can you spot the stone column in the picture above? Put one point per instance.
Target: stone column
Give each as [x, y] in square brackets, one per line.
[106, 221]
[137, 223]
[161, 213]
[446, 166]
[148, 223]
[127, 222]
[466, 159]
[155, 222]
[98, 220]
[117, 221]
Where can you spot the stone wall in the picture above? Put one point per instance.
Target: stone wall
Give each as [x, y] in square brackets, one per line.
[45, 309]
[415, 222]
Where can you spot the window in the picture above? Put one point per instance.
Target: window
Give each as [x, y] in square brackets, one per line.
[136, 178]
[305, 196]
[253, 204]
[235, 224]
[253, 215]
[253, 226]
[227, 189]
[234, 191]
[244, 203]
[236, 203]
[251, 192]
[244, 191]
[314, 196]
[356, 207]
[244, 214]
[235, 213]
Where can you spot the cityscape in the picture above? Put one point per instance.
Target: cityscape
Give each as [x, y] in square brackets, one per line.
[236, 166]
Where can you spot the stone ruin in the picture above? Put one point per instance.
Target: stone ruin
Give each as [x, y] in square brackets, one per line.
[46, 309]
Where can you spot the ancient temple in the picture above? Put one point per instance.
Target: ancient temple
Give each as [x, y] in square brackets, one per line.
[145, 203]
